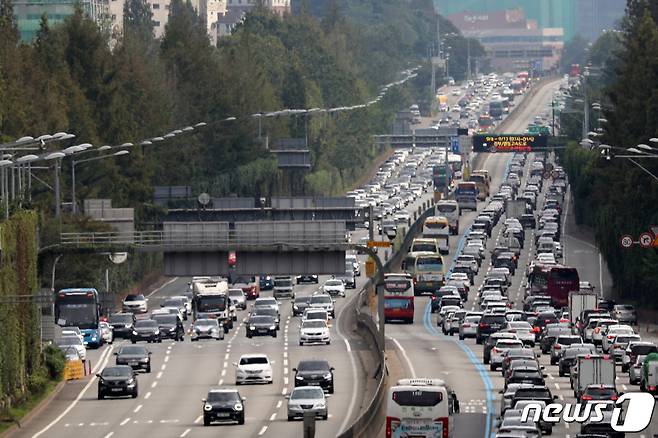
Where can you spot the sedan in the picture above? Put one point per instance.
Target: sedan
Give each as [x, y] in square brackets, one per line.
[206, 329]
[122, 324]
[299, 304]
[314, 372]
[253, 368]
[560, 345]
[334, 288]
[468, 327]
[307, 279]
[117, 380]
[523, 331]
[498, 352]
[135, 356]
[223, 405]
[324, 302]
[261, 325]
[238, 297]
[106, 332]
[312, 331]
[135, 304]
[146, 330]
[305, 399]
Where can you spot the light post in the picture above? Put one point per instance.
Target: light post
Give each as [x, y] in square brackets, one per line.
[57, 157]
[640, 151]
[86, 160]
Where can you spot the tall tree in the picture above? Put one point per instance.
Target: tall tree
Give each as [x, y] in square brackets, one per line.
[138, 19]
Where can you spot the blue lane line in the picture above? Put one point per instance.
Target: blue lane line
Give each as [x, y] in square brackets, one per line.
[482, 371]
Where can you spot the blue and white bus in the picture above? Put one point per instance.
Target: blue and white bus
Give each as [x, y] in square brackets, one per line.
[80, 308]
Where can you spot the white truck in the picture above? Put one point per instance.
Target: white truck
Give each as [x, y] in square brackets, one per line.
[594, 370]
[210, 296]
[514, 208]
[580, 301]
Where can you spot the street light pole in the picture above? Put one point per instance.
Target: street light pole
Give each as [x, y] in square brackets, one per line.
[57, 189]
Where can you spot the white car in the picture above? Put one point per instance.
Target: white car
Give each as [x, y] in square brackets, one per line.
[73, 331]
[186, 302]
[600, 328]
[267, 301]
[469, 327]
[461, 276]
[611, 333]
[69, 343]
[238, 297]
[253, 368]
[135, 304]
[334, 287]
[314, 330]
[311, 314]
[106, 332]
[523, 331]
[499, 350]
[324, 302]
[305, 399]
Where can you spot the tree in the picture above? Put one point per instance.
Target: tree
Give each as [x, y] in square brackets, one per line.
[138, 19]
[574, 52]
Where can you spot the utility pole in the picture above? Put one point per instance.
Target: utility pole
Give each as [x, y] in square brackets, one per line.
[433, 84]
[468, 59]
[57, 190]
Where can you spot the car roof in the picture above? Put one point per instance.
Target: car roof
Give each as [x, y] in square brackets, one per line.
[250, 355]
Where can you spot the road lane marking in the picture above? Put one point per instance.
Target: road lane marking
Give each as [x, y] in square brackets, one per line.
[223, 372]
[138, 408]
[166, 359]
[147, 396]
[284, 391]
[557, 386]
[163, 367]
[263, 430]
[182, 435]
[124, 421]
[101, 363]
[273, 416]
[159, 375]
[279, 403]
[226, 357]
[163, 286]
[410, 365]
[198, 419]
[624, 387]
[225, 364]
[285, 381]
[285, 371]
[154, 384]
[109, 435]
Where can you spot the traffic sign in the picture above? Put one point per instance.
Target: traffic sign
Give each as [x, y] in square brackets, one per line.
[454, 144]
[378, 244]
[232, 258]
[646, 239]
[626, 241]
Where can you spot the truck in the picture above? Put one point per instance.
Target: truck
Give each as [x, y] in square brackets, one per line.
[466, 195]
[210, 296]
[649, 378]
[443, 102]
[593, 370]
[514, 208]
[283, 287]
[441, 180]
[580, 301]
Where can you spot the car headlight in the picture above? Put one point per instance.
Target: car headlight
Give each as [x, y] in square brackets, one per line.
[144, 360]
[299, 378]
[327, 376]
[238, 407]
[135, 332]
[172, 329]
[251, 327]
[272, 327]
[214, 330]
[207, 407]
[157, 332]
[320, 405]
[295, 307]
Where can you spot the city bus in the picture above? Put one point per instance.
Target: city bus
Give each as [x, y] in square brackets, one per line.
[398, 298]
[438, 227]
[427, 271]
[80, 308]
[481, 179]
[421, 408]
[555, 281]
[450, 210]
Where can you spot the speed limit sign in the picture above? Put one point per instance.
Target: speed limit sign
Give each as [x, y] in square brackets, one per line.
[626, 241]
[646, 239]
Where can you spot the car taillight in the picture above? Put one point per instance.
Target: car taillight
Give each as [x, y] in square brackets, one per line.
[495, 350]
[611, 337]
[558, 347]
[433, 297]
[445, 428]
[616, 346]
[536, 329]
[613, 398]
[597, 330]
[586, 397]
[652, 388]
[466, 324]
[392, 424]
[483, 325]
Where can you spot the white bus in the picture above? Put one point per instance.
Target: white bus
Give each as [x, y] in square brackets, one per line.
[450, 210]
[420, 408]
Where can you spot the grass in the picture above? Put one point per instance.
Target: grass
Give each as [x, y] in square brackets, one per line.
[18, 412]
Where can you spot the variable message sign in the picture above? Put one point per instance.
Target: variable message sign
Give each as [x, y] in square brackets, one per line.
[509, 142]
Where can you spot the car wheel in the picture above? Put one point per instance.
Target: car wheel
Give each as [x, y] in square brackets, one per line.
[492, 367]
[290, 418]
[553, 362]
[328, 342]
[478, 341]
[301, 343]
[248, 335]
[101, 396]
[461, 338]
[148, 368]
[134, 394]
[160, 341]
[274, 334]
[192, 339]
[133, 341]
[241, 420]
[331, 389]
[485, 360]
[325, 417]
[549, 431]
[225, 329]
[561, 373]
[206, 421]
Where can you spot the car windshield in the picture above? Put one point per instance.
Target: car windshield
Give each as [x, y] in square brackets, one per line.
[282, 282]
[307, 393]
[321, 299]
[266, 302]
[117, 372]
[429, 263]
[315, 323]
[334, 283]
[261, 319]
[255, 360]
[223, 396]
[299, 300]
[519, 325]
[316, 315]
[260, 310]
[165, 319]
[135, 298]
[173, 303]
[205, 322]
[69, 340]
[600, 392]
[133, 349]
[120, 318]
[147, 323]
[573, 352]
[235, 293]
[313, 365]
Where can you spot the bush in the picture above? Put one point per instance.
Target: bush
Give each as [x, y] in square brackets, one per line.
[37, 382]
[55, 361]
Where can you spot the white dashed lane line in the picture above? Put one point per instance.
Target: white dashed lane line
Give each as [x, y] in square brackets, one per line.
[182, 435]
[263, 430]
[137, 409]
[124, 421]
[147, 396]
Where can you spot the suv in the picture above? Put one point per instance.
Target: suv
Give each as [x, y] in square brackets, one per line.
[315, 373]
[222, 405]
[490, 323]
[122, 324]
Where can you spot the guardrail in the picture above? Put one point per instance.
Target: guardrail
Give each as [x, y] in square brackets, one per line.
[231, 239]
[363, 425]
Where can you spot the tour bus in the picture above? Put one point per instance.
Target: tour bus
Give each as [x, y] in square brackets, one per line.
[481, 179]
[398, 298]
[466, 195]
[421, 408]
[450, 210]
[438, 227]
[427, 271]
[555, 281]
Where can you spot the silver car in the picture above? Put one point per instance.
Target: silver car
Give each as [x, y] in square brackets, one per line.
[238, 297]
[635, 370]
[307, 399]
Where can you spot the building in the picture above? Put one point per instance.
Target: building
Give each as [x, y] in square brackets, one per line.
[511, 40]
[28, 13]
[237, 9]
[595, 16]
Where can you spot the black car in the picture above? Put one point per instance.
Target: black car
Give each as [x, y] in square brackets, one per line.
[263, 325]
[490, 323]
[135, 356]
[122, 324]
[570, 356]
[170, 326]
[117, 380]
[223, 405]
[299, 304]
[536, 393]
[497, 251]
[307, 279]
[465, 269]
[315, 373]
[177, 303]
[146, 330]
[528, 221]
[265, 282]
[525, 375]
[505, 260]
[267, 311]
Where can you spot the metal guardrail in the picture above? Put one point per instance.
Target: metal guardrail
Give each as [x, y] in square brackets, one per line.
[233, 239]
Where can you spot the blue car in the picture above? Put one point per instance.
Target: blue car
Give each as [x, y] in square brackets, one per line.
[266, 282]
